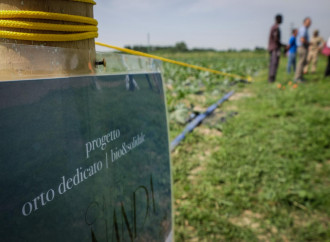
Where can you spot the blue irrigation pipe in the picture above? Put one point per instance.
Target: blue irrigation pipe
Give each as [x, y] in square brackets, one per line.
[196, 121]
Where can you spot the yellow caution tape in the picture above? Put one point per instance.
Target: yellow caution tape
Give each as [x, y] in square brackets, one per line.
[134, 52]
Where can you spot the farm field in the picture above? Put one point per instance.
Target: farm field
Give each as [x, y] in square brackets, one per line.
[258, 168]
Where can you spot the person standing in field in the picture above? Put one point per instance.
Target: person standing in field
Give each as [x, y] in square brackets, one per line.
[274, 47]
[315, 45]
[302, 44]
[292, 51]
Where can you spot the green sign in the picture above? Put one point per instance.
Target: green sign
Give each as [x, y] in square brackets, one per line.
[85, 159]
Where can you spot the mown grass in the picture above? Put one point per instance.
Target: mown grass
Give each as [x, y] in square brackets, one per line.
[263, 175]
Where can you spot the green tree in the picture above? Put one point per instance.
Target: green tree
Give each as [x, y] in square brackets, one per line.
[181, 46]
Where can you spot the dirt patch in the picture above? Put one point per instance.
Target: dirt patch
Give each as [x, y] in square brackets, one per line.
[326, 108]
[247, 219]
[196, 170]
[208, 132]
[199, 109]
[319, 167]
[240, 95]
[254, 221]
[230, 107]
[202, 159]
[169, 87]
[216, 119]
[302, 219]
[197, 99]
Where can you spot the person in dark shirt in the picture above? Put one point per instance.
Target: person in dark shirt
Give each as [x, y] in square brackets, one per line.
[274, 47]
[292, 51]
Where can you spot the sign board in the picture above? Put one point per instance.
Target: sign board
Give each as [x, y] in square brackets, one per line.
[85, 159]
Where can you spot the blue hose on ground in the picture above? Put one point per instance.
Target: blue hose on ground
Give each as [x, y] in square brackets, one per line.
[196, 121]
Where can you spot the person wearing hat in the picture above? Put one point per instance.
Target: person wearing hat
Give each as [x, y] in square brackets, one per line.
[315, 46]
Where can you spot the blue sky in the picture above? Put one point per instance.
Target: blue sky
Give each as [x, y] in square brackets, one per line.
[219, 24]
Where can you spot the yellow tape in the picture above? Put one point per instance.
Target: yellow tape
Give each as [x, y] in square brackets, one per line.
[85, 1]
[14, 14]
[46, 26]
[134, 52]
[47, 37]
[88, 31]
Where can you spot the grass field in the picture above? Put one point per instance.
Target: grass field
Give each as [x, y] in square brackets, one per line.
[258, 168]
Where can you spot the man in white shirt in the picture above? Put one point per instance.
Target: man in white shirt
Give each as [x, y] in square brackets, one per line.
[302, 44]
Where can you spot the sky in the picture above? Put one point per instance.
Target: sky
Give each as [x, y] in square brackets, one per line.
[218, 24]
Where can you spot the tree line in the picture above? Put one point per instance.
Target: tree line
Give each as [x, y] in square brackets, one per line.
[182, 47]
